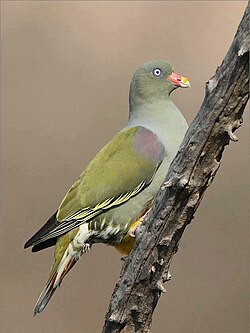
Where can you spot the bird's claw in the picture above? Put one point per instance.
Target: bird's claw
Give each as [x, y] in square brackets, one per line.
[132, 231]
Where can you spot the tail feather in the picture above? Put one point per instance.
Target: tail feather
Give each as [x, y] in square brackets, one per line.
[68, 261]
[69, 249]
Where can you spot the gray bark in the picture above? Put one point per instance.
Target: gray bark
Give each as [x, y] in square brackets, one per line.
[146, 269]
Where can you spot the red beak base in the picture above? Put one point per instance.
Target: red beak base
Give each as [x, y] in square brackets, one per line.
[179, 81]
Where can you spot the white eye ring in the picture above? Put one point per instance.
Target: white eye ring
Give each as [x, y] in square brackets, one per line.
[157, 72]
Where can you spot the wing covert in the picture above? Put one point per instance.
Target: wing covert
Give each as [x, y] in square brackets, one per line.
[123, 168]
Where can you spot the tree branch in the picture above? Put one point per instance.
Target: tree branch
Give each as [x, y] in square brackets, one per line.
[193, 169]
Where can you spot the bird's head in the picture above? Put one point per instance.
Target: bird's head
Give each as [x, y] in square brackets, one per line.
[154, 81]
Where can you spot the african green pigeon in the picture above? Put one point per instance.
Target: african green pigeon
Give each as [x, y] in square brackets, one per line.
[117, 188]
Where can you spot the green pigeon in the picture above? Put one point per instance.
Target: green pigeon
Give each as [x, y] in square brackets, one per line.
[117, 188]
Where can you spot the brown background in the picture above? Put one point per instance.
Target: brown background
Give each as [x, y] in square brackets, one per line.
[66, 68]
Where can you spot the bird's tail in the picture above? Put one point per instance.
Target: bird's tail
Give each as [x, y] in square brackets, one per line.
[68, 260]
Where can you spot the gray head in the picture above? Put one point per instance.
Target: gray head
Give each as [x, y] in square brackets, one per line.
[154, 81]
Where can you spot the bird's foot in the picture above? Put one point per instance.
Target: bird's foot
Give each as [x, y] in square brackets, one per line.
[132, 230]
[135, 225]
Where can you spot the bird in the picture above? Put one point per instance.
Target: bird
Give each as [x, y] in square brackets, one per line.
[116, 190]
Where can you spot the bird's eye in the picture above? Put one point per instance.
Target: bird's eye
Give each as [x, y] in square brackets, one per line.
[156, 72]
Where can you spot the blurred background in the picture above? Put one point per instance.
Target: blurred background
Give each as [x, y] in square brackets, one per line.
[66, 69]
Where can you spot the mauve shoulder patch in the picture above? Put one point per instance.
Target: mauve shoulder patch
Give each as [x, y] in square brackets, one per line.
[147, 144]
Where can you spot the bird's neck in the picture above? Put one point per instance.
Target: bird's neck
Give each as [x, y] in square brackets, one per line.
[163, 118]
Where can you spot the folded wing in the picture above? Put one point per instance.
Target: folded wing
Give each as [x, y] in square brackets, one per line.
[122, 169]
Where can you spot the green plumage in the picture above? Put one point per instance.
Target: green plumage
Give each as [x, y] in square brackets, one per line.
[117, 169]
[118, 186]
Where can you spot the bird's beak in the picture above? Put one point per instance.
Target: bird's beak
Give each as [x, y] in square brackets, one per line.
[179, 81]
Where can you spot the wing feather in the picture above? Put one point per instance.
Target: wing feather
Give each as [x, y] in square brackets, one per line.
[122, 169]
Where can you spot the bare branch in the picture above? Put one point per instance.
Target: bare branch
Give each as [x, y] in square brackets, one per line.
[191, 172]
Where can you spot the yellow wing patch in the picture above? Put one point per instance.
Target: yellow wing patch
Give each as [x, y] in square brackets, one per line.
[86, 214]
